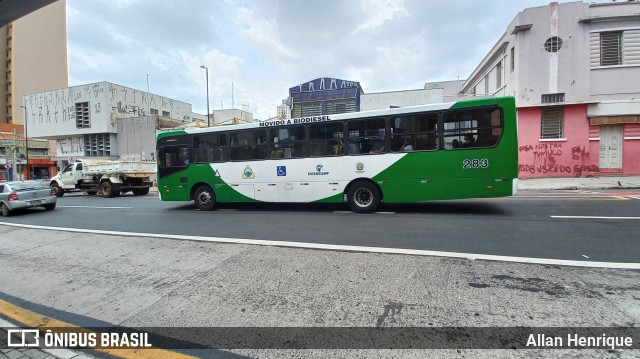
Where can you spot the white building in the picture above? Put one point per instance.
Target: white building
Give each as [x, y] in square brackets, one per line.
[83, 120]
[391, 99]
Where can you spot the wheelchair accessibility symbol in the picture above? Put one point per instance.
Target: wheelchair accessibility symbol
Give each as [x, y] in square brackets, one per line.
[282, 171]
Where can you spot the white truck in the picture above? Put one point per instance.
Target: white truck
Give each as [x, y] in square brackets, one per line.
[110, 178]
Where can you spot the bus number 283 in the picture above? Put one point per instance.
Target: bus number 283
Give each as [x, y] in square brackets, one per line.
[475, 163]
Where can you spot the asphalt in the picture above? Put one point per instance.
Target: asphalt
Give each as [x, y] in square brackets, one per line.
[539, 184]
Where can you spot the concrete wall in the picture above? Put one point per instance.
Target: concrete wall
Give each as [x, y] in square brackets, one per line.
[572, 156]
[384, 100]
[136, 138]
[52, 114]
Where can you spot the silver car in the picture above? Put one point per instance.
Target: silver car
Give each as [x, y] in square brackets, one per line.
[25, 194]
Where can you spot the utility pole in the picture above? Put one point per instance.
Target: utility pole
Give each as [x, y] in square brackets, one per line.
[26, 142]
[15, 149]
[206, 69]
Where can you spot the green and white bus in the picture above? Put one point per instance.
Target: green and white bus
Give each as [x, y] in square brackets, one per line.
[466, 149]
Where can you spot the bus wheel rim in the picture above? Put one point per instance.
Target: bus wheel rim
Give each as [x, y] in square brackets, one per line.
[363, 197]
[204, 198]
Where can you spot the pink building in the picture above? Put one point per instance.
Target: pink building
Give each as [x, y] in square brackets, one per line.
[574, 69]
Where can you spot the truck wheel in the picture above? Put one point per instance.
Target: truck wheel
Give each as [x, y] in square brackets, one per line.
[58, 189]
[4, 210]
[205, 198]
[363, 197]
[50, 206]
[107, 190]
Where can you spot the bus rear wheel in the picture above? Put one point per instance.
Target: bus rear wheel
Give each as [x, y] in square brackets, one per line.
[363, 197]
[205, 198]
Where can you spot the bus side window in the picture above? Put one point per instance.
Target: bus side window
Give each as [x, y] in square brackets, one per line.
[414, 132]
[326, 139]
[475, 128]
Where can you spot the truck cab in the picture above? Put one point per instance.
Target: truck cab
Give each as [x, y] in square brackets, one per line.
[70, 176]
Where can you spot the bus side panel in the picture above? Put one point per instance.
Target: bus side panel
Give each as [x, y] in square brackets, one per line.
[449, 174]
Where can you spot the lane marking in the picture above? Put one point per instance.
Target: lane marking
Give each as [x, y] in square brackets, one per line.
[593, 217]
[344, 248]
[96, 207]
[32, 319]
[585, 256]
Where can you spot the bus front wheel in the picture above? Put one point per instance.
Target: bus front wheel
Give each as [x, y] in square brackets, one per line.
[205, 198]
[363, 197]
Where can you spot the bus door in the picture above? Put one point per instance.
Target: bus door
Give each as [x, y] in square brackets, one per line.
[173, 171]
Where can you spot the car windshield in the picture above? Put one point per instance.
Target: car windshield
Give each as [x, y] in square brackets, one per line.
[26, 185]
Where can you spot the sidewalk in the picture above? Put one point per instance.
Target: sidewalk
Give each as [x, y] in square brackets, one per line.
[580, 183]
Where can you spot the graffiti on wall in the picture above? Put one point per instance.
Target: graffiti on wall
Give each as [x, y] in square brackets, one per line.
[552, 159]
[70, 146]
[51, 109]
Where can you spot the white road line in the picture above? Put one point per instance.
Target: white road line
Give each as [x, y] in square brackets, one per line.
[593, 217]
[344, 248]
[97, 207]
[585, 256]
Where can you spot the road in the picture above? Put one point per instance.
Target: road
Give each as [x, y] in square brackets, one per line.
[565, 225]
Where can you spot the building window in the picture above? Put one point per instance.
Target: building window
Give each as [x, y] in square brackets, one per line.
[610, 48]
[154, 111]
[553, 44]
[499, 75]
[9, 110]
[166, 114]
[552, 126]
[513, 59]
[82, 115]
[553, 98]
[340, 106]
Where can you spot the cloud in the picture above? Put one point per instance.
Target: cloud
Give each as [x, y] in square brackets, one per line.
[263, 32]
[266, 47]
[378, 12]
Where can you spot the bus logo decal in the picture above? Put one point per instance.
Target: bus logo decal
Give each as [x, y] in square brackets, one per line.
[281, 171]
[359, 167]
[318, 171]
[248, 173]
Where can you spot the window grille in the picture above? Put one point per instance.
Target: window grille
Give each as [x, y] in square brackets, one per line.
[82, 115]
[552, 125]
[610, 48]
[513, 59]
[553, 98]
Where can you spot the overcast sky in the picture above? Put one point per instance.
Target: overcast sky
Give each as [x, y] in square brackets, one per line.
[264, 47]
